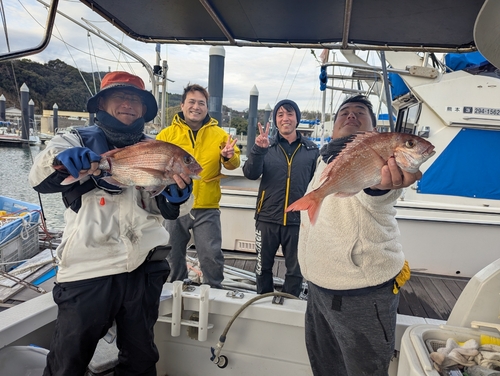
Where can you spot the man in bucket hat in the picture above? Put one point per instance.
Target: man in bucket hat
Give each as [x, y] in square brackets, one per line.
[110, 262]
[286, 163]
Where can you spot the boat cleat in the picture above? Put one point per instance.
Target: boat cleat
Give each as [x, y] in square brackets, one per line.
[235, 294]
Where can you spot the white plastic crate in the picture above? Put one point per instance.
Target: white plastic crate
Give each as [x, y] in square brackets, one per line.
[22, 247]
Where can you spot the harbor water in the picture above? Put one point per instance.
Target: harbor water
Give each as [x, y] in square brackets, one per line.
[15, 164]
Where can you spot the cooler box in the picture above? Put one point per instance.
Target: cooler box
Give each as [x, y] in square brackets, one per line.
[22, 360]
[475, 313]
[420, 340]
[18, 236]
[29, 214]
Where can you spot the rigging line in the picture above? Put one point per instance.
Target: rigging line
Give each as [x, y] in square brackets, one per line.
[4, 22]
[298, 69]
[282, 83]
[120, 53]
[96, 63]
[117, 60]
[76, 65]
[68, 44]
[91, 62]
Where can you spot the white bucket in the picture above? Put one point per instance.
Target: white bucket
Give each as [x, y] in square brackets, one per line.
[22, 360]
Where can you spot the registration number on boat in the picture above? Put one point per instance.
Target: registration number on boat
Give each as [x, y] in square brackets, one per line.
[486, 111]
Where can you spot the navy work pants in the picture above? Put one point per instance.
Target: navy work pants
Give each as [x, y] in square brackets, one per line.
[87, 309]
[268, 238]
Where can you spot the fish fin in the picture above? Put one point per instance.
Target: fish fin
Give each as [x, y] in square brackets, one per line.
[112, 152]
[70, 179]
[218, 177]
[310, 202]
[356, 139]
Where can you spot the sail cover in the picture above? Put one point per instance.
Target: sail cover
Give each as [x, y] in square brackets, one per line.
[468, 167]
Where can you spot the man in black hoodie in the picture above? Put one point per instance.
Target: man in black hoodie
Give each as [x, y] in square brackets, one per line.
[286, 163]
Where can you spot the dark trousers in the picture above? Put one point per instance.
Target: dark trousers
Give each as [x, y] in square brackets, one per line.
[87, 309]
[268, 238]
[351, 335]
[206, 227]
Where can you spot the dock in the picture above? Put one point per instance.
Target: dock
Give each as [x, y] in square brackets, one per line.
[14, 140]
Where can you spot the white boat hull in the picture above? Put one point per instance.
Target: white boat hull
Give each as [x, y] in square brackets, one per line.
[437, 239]
[265, 339]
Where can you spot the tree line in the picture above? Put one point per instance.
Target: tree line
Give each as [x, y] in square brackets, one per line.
[58, 82]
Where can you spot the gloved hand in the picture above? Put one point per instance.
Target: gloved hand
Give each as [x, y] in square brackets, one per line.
[175, 195]
[77, 159]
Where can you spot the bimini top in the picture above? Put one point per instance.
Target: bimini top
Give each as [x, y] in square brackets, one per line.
[415, 25]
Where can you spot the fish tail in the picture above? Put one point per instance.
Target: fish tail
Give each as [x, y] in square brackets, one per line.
[310, 202]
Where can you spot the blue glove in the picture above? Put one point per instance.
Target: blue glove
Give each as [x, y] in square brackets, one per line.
[175, 195]
[77, 159]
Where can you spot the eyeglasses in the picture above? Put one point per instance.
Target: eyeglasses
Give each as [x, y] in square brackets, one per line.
[121, 98]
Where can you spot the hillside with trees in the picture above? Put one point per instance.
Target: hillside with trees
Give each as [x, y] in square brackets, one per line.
[58, 82]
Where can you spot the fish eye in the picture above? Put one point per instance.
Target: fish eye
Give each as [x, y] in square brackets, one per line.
[188, 159]
[410, 143]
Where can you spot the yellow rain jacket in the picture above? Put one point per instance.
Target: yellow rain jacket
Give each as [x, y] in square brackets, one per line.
[206, 149]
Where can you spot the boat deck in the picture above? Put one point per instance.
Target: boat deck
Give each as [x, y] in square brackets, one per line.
[424, 295]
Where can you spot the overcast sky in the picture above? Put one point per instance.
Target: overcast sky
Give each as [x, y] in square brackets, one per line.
[277, 73]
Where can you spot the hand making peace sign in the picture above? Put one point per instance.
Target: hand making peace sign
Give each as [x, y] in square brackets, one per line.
[228, 150]
[262, 139]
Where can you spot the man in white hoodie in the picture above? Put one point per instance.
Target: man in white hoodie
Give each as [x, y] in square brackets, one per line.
[351, 258]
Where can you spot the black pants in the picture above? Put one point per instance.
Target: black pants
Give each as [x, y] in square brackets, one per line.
[87, 309]
[268, 238]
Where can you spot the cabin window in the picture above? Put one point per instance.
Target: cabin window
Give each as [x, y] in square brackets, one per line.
[408, 118]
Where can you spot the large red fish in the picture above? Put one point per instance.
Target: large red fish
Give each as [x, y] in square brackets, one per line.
[149, 164]
[359, 164]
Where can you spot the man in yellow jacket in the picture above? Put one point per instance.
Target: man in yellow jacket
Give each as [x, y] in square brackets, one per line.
[199, 134]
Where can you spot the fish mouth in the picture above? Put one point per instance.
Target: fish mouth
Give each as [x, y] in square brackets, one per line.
[429, 152]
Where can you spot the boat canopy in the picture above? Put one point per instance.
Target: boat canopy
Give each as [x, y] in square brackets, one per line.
[403, 25]
[468, 167]
[420, 25]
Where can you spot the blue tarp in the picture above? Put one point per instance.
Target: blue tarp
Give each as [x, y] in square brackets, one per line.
[398, 86]
[311, 122]
[461, 61]
[385, 117]
[468, 167]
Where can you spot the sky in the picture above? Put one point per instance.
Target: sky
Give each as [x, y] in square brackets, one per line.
[277, 73]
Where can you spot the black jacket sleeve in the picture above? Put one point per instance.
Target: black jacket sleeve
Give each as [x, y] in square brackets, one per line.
[167, 209]
[254, 165]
